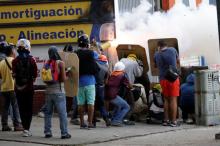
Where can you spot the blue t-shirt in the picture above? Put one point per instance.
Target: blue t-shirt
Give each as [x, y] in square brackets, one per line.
[163, 59]
[86, 80]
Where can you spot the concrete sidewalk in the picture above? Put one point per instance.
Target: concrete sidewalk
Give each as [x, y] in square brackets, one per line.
[83, 137]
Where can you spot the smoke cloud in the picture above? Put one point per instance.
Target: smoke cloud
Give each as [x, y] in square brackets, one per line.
[196, 29]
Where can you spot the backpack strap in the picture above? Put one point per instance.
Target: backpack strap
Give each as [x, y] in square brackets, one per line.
[8, 64]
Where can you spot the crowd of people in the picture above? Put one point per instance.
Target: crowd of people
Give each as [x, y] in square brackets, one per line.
[124, 96]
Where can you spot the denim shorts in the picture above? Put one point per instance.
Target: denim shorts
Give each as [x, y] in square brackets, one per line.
[86, 94]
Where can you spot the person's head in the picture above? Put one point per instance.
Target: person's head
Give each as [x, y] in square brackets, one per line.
[161, 44]
[9, 51]
[83, 41]
[119, 66]
[68, 48]
[23, 45]
[3, 44]
[190, 78]
[53, 53]
[132, 56]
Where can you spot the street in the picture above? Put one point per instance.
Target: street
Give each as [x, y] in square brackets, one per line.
[139, 134]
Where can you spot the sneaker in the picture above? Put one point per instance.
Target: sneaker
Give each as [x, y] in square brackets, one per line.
[18, 128]
[27, 133]
[189, 121]
[118, 124]
[107, 122]
[40, 114]
[49, 135]
[75, 122]
[67, 136]
[128, 122]
[83, 126]
[166, 123]
[174, 124]
[91, 126]
[6, 128]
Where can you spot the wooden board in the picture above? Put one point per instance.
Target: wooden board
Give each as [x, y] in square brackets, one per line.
[71, 85]
[152, 47]
[124, 50]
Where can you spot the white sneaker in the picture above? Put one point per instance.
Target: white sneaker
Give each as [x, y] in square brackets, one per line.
[189, 121]
[40, 114]
[27, 133]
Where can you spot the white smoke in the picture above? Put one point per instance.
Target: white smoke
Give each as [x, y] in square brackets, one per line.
[196, 29]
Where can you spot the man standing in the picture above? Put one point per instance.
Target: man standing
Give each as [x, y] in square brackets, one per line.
[101, 78]
[7, 89]
[24, 70]
[87, 70]
[164, 58]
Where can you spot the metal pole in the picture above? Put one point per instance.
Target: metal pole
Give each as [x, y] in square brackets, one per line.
[218, 15]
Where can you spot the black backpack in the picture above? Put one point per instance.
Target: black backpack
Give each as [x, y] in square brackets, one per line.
[24, 71]
[158, 98]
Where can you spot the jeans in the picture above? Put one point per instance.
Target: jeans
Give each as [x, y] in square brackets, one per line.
[74, 108]
[100, 101]
[9, 100]
[121, 108]
[57, 100]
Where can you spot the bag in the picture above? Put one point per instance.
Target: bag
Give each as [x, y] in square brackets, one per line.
[157, 98]
[171, 74]
[49, 72]
[24, 71]
[136, 91]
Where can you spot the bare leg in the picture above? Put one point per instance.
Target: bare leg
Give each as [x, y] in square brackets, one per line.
[90, 114]
[81, 113]
[173, 108]
[166, 111]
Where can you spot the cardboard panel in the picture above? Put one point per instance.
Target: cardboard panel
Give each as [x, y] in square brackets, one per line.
[124, 50]
[71, 85]
[152, 48]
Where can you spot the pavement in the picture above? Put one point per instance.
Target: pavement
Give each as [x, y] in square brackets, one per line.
[139, 134]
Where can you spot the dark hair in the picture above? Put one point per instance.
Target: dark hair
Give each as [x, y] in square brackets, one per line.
[68, 48]
[3, 45]
[83, 41]
[161, 44]
[8, 50]
[53, 53]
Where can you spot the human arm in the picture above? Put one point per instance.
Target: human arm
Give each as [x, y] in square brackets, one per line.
[34, 69]
[61, 66]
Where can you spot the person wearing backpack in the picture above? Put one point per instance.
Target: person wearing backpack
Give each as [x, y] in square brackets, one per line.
[87, 70]
[101, 78]
[24, 70]
[117, 80]
[55, 94]
[7, 90]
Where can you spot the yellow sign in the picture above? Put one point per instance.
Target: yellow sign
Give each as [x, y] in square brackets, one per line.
[43, 12]
[46, 34]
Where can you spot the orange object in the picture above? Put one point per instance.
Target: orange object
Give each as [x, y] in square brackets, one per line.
[167, 4]
[198, 2]
[103, 58]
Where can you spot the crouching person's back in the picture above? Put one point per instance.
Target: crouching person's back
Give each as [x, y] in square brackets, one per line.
[117, 80]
